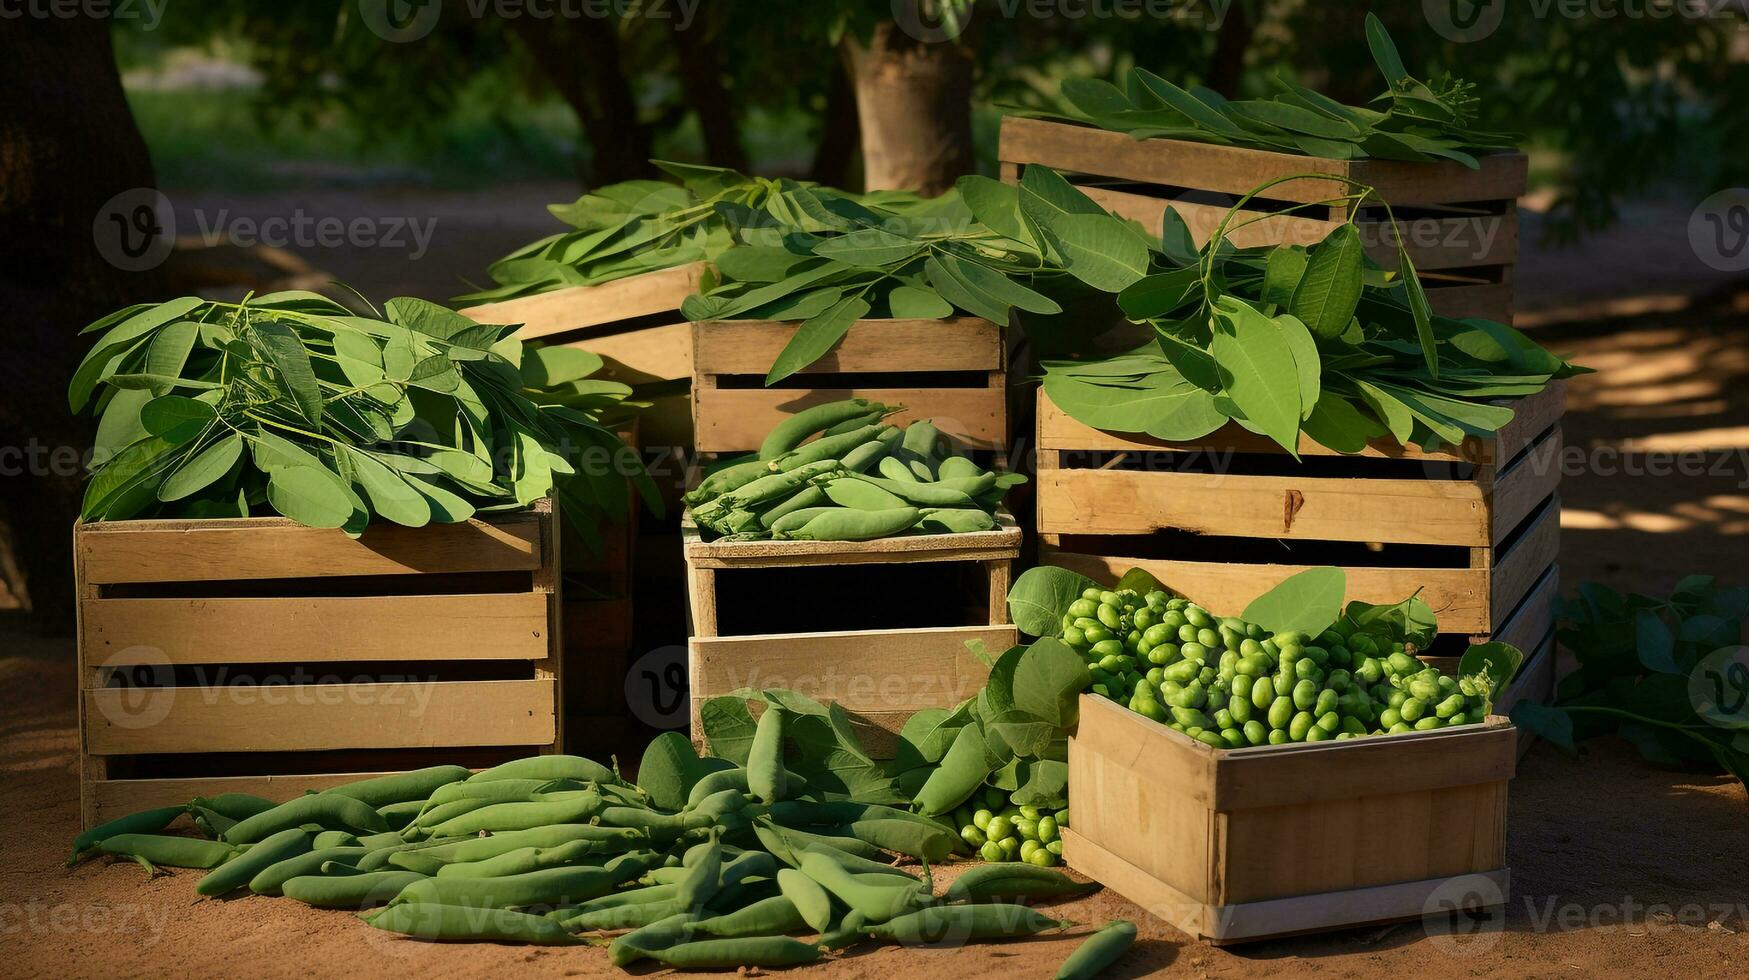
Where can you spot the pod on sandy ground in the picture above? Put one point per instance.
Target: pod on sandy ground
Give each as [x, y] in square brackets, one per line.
[237, 872]
[453, 923]
[772, 916]
[609, 840]
[880, 898]
[269, 879]
[1011, 880]
[728, 954]
[947, 924]
[143, 822]
[359, 891]
[1099, 951]
[331, 812]
[237, 806]
[658, 935]
[169, 851]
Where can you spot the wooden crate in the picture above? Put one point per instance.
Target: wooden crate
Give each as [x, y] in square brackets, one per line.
[1239, 845]
[953, 372]
[1459, 225]
[634, 323]
[881, 676]
[267, 657]
[598, 646]
[1473, 527]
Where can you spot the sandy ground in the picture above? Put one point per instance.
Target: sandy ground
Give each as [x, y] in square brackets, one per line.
[1615, 867]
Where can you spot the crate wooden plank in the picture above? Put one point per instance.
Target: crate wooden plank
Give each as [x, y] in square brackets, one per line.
[1519, 568]
[1525, 485]
[643, 355]
[1458, 595]
[299, 718]
[750, 347]
[999, 544]
[563, 310]
[1487, 301]
[893, 670]
[119, 797]
[1237, 170]
[1296, 774]
[732, 420]
[1375, 905]
[1533, 622]
[278, 548]
[313, 630]
[1388, 511]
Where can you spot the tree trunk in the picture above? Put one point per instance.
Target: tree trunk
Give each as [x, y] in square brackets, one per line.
[68, 147]
[1231, 45]
[835, 154]
[581, 60]
[914, 102]
[701, 79]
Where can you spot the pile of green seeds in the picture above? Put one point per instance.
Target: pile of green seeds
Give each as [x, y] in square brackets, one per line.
[720, 869]
[860, 480]
[1233, 685]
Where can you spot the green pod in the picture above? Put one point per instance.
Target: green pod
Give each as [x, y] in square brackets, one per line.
[237, 806]
[924, 439]
[958, 468]
[941, 924]
[331, 812]
[702, 879]
[437, 814]
[878, 900]
[748, 864]
[931, 844]
[550, 886]
[500, 817]
[608, 840]
[825, 447]
[852, 424]
[521, 861]
[169, 851]
[954, 520]
[765, 770]
[725, 954]
[549, 767]
[494, 791]
[847, 933]
[971, 486]
[451, 923]
[1099, 951]
[716, 782]
[721, 481]
[772, 916]
[377, 859]
[268, 880]
[356, 891]
[896, 469]
[962, 770]
[211, 823]
[376, 842]
[143, 822]
[237, 872]
[334, 838]
[657, 936]
[421, 862]
[400, 816]
[798, 841]
[779, 485]
[662, 825]
[808, 498]
[793, 431]
[921, 494]
[853, 863]
[401, 787]
[632, 896]
[618, 917]
[855, 525]
[860, 495]
[797, 519]
[870, 453]
[809, 897]
[1015, 881]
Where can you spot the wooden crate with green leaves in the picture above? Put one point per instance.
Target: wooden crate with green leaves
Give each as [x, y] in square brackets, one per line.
[1459, 225]
[263, 656]
[635, 325]
[1474, 528]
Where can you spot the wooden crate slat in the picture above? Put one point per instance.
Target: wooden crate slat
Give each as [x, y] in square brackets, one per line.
[1526, 484]
[732, 420]
[299, 718]
[1148, 889]
[1488, 301]
[279, 548]
[313, 630]
[1389, 511]
[892, 670]
[1458, 595]
[563, 310]
[1527, 626]
[750, 347]
[1358, 907]
[119, 797]
[1237, 170]
[642, 356]
[1520, 567]
[999, 544]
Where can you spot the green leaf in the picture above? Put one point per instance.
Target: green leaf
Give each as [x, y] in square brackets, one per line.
[816, 337]
[1176, 240]
[869, 248]
[1100, 250]
[1305, 603]
[1421, 310]
[1041, 596]
[119, 338]
[917, 303]
[176, 418]
[1261, 375]
[390, 495]
[1281, 277]
[1047, 785]
[1048, 682]
[997, 206]
[285, 349]
[1309, 365]
[311, 495]
[1336, 424]
[203, 468]
[989, 282]
[1396, 415]
[1552, 724]
[1384, 51]
[1499, 662]
[728, 727]
[1330, 290]
[1141, 582]
[168, 353]
[667, 771]
[1655, 643]
[547, 367]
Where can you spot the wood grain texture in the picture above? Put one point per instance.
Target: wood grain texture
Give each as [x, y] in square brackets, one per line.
[1460, 596]
[580, 307]
[1237, 170]
[1518, 569]
[750, 347]
[277, 548]
[642, 356]
[999, 544]
[733, 420]
[313, 630]
[299, 718]
[1525, 484]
